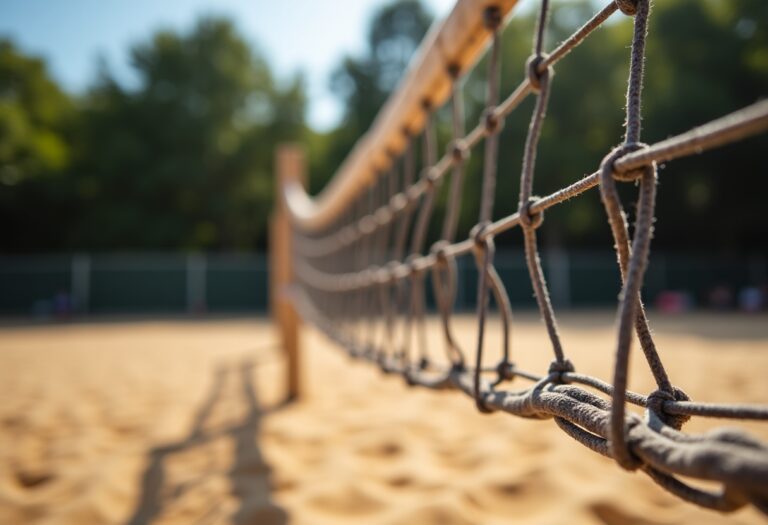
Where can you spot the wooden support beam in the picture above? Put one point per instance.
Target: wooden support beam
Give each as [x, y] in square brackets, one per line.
[290, 167]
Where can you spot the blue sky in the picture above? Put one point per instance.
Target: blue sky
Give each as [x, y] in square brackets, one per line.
[305, 35]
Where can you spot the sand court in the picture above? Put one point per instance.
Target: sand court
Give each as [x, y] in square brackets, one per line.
[180, 422]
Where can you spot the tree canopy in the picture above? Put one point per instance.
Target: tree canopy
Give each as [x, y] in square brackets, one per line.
[182, 158]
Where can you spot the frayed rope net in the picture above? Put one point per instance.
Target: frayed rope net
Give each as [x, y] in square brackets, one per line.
[362, 280]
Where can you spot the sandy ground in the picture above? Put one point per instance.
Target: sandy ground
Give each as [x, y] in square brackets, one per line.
[178, 422]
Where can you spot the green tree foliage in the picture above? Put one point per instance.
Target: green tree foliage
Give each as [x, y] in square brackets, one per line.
[35, 120]
[705, 58]
[34, 114]
[712, 58]
[184, 160]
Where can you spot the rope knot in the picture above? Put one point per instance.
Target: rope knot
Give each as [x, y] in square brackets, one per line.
[479, 235]
[431, 175]
[528, 219]
[459, 151]
[492, 124]
[608, 166]
[480, 404]
[505, 370]
[656, 402]
[558, 368]
[440, 251]
[628, 7]
[534, 74]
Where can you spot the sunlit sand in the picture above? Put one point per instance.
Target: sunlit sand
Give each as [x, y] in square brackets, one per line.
[179, 422]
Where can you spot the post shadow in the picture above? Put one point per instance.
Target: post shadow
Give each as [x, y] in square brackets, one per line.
[249, 474]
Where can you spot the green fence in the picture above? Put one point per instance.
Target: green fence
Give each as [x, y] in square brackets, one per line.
[176, 283]
[132, 283]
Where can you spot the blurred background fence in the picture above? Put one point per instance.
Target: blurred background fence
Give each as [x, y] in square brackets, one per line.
[64, 286]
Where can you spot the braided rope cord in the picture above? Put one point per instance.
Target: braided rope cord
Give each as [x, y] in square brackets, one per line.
[358, 284]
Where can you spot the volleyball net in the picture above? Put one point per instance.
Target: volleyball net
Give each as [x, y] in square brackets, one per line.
[359, 268]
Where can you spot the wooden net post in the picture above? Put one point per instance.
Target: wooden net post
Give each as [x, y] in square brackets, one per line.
[290, 166]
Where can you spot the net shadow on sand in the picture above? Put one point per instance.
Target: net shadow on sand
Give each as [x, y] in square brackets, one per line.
[198, 498]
